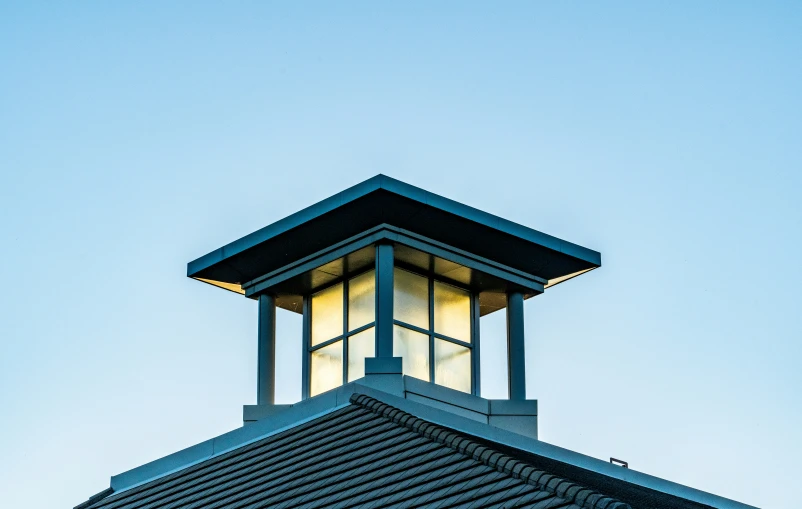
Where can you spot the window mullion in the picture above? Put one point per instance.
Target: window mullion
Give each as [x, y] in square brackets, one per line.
[412, 327]
[452, 340]
[326, 343]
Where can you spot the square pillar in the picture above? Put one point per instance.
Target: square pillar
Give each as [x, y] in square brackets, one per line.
[266, 356]
[384, 300]
[516, 358]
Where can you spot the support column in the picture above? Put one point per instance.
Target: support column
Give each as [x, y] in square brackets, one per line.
[516, 358]
[266, 356]
[305, 342]
[384, 300]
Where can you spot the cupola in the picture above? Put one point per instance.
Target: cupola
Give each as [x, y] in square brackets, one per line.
[392, 279]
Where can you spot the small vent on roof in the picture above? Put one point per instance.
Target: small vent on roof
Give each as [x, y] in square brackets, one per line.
[619, 462]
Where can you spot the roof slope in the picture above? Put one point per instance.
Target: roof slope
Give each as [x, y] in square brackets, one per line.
[367, 454]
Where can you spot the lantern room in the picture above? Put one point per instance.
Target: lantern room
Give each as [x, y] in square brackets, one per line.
[393, 279]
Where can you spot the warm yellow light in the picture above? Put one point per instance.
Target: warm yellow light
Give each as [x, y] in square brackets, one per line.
[326, 368]
[233, 287]
[560, 279]
[452, 312]
[327, 314]
[411, 298]
[361, 300]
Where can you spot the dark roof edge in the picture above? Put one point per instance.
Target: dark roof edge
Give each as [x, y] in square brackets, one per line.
[284, 224]
[563, 488]
[488, 219]
[406, 190]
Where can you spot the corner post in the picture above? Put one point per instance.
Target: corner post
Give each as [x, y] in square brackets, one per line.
[305, 342]
[476, 385]
[266, 356]
[516, 360]
[384, 300]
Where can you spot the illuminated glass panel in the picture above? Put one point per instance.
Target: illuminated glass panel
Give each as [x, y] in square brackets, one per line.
[452, 365]
[361, 300]
[360, 346]
[452, 312]
[411, 298]
[327, 314]
[413, 348]
[327, 368]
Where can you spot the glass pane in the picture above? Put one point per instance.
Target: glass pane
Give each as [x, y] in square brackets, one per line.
[452, 312]
[327, 368]
[362, 300]
[452, 365]
[360, 346]
[413, 348]
[327, 314]
[411, 298]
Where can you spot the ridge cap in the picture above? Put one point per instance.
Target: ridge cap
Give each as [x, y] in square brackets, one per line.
[497, 460]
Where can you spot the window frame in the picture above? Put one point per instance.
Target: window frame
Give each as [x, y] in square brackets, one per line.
[473, 346]
[306, 343]
[346, 334]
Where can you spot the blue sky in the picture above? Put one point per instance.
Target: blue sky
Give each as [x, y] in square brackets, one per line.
[137, 137]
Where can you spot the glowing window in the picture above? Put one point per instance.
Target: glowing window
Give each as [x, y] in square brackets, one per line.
[327, 314]
[411, 298]
[360, 346]
[327, 368]
[452, 365]
[452, 311]
[433, 330]
[342, 332]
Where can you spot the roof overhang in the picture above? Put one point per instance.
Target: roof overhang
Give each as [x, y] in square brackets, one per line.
[382, 200]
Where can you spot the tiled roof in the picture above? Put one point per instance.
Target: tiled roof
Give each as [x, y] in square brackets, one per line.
[367, 454]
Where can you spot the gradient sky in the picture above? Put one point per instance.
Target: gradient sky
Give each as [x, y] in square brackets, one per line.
[137, 137]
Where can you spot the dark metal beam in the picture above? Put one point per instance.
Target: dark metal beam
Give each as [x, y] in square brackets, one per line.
[386, 233]
[384, 300]
[266, 357]
[314, 260]
[516, 358]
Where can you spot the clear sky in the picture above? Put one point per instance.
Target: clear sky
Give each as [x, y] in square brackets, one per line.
[666, 135]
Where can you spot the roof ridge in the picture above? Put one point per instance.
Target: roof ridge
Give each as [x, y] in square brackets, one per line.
[563, 488]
